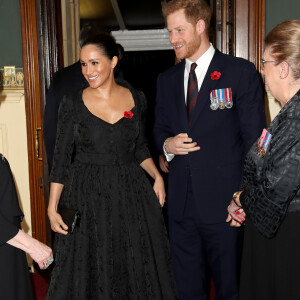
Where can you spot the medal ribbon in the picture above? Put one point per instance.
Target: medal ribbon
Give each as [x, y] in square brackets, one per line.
[228, 95]
[263, 143]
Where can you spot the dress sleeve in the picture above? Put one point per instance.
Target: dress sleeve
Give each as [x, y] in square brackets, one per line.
[267, 199]
[64, 141]
[142, 151]
[7, 229]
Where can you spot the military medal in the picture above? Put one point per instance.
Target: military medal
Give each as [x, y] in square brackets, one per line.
[214, 102]
[228, 98]
[214, 105]
[260, 141]
[263, 143]
[221, 105]
[221, 98]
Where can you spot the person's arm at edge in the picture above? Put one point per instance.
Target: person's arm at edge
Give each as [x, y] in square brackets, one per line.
[39, 252]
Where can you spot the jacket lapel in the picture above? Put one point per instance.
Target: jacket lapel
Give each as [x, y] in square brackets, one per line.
[207, 86]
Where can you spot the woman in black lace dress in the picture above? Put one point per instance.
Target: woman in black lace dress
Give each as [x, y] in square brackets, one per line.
[120, 250]
[270, 196]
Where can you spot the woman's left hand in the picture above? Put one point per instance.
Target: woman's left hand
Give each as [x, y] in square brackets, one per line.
[235, 213]
[159, 189]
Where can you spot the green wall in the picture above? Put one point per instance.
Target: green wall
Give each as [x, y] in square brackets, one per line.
[10, 34]
[278, 11]
[10, 27]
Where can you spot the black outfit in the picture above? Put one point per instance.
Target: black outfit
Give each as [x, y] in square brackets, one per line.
[14, 275]
[120, 250]
[64, 82]
[271, 200]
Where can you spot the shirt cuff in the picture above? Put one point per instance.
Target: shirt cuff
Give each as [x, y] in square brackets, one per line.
[169, 156]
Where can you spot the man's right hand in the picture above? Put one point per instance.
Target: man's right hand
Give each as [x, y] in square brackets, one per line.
[181, 144]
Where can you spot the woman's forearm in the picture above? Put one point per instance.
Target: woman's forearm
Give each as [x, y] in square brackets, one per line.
[38, 251]
[22, 241]
[55, 192]
[149, 166]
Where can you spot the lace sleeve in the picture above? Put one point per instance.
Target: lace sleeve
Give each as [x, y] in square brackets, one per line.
[64, 142]
[142, 151]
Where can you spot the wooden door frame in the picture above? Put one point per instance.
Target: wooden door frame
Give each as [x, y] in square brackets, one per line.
[247, 28]
[250, 29]
[42, 49]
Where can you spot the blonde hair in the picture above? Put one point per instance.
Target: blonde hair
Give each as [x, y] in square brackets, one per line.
[194, 10]
[284, 43]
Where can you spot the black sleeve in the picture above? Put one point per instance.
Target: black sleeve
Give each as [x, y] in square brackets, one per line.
[266, 201]
[7, 193]
[142, 151]
[64, 141]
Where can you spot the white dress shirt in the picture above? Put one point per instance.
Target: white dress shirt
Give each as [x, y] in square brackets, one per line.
[203, 63]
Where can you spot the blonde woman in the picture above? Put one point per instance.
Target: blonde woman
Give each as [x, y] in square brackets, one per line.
[269, 201]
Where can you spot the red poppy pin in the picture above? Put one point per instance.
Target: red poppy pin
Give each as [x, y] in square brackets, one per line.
[128, 114]
[215, 75]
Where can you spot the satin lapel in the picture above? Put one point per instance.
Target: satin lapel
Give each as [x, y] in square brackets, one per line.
[179, 96]
[207, 86]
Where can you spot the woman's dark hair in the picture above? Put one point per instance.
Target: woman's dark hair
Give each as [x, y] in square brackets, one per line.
[106, 44]
[88, 30]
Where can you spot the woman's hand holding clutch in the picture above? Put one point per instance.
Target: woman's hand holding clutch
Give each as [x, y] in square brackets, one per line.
[57, 223]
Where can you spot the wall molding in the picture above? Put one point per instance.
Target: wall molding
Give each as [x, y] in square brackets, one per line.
[143, 40]
[13, 96]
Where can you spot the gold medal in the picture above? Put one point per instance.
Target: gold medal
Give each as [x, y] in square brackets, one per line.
[221, 105]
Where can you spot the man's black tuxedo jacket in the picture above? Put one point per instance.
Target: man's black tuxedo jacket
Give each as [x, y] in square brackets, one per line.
[223, 135]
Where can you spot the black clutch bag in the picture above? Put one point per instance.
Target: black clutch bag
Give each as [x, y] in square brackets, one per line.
[71, 217]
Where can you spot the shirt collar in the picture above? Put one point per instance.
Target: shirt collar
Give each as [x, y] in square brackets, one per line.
[203, 61]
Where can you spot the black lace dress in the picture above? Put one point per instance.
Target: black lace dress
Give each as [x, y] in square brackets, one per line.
[120, 250]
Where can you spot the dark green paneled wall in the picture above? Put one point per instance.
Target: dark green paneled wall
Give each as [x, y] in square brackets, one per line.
[278, 11]
[10, 34]
[10, 27]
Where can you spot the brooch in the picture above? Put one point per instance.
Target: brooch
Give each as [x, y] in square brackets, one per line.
[128, 114]
[215, 75]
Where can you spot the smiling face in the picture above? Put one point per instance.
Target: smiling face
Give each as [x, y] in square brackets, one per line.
[96, 67]
[184, 36]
